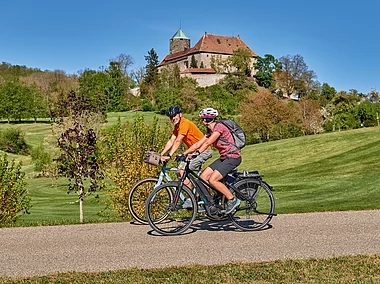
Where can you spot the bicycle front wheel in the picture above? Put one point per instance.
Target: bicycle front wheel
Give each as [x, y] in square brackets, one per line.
[257, 207]
[160, 203]
[137, 197]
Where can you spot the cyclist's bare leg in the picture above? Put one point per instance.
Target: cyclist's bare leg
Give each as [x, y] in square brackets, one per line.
[215, 180]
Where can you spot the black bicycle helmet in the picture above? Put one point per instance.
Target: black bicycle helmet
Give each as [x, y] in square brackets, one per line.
[173, 110]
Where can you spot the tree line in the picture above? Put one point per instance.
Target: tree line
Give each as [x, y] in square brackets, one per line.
[295, 103]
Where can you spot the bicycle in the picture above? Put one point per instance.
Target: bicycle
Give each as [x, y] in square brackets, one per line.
[141, 189]
[254, 212]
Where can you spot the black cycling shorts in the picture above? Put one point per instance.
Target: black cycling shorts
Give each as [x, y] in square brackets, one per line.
[225, 166]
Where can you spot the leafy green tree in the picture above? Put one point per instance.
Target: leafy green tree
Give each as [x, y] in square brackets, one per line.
[264, 70]
[151, 75]
[193, 62]
[115, 89]
[20, 101]
[13, 192]
[240, 62]
[339, 113]
[78, 160]
[327, 94]
[93, 85]
[170, 77]
[167, 96]
[41, 159]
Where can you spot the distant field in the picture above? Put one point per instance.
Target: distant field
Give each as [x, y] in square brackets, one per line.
[326, 172]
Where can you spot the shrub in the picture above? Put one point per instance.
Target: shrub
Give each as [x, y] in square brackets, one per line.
[12, 140]
[124, 147]
[13, 192]
[41, 159]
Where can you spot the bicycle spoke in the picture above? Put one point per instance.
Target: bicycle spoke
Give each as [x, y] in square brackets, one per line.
[257, 208]
[163, 216]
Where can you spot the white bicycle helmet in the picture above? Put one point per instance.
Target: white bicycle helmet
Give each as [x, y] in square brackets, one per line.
[208, 113]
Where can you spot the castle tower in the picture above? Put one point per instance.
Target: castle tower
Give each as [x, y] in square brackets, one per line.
[179, 42]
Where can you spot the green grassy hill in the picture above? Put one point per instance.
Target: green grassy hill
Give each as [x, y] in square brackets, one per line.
[332, 171]
[326, 172]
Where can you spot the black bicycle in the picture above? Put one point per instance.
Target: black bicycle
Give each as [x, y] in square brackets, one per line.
[254, 212]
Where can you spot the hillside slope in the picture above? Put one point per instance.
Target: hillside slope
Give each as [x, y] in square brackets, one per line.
[332, 171]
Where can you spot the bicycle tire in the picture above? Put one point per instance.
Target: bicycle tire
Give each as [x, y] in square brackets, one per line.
[159, 203]
[137, 197]
[257, 209]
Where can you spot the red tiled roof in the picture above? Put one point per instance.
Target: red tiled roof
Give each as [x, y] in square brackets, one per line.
[199, 70]
[220, 44]
[211, 44]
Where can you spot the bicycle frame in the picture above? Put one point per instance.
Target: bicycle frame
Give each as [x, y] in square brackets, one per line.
[163, 174]
[200, 185]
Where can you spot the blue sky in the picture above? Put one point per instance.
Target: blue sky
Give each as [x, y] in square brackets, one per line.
[339, 40]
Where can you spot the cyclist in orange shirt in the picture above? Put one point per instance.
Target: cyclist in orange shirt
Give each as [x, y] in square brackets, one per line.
[187, 132]
[184, 131]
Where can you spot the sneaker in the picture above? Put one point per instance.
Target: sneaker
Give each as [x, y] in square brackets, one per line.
[187, 203]
[201, 209]
[232, 204]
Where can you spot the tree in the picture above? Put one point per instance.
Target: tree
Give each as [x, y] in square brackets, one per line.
[193, 63]
[138, 74]
[78, 145]
[93, 85]
[311, 116]
[339, 112]
[151, 75]
[295, 78]
[13, 193]
[264, 70]
[116, 88]
[373, 96]
[240, 62]
[19, 101]
[327, 94]
[125, 61]
[268, 117]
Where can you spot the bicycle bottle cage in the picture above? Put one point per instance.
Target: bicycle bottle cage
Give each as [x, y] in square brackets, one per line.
[152, 158]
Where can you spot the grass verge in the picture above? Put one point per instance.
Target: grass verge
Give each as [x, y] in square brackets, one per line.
[345, 269]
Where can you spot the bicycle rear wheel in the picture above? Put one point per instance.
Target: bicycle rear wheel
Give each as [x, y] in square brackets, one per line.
[160, 203]
[137, 197]
[257, 207]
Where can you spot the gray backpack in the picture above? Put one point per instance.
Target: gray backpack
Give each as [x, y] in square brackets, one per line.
[236, 131]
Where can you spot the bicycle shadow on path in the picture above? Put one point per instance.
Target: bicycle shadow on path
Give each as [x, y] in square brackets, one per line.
[205, 224]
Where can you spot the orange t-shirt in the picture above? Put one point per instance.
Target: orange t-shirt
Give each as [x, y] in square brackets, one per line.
[191, 132]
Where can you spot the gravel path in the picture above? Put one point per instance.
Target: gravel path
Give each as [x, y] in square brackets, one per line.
[101, 247]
